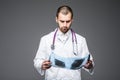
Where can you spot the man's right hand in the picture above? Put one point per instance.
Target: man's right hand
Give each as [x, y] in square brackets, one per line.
[46, 64]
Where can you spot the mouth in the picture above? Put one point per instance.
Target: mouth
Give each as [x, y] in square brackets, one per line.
[64, 29]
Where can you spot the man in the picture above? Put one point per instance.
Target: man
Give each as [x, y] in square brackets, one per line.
[63, 53]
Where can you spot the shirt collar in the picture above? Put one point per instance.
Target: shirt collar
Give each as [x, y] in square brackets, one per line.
[67, 34]
[63, 37]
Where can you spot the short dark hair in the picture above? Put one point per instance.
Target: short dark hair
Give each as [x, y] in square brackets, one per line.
[64, 10]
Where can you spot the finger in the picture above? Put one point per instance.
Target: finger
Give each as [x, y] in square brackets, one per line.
[46, 65]
[88, 65]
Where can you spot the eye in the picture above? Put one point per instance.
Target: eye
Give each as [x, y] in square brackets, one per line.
[62, 21]
[67, 21]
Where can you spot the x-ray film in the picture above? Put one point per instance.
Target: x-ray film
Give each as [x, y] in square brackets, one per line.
[68, 63]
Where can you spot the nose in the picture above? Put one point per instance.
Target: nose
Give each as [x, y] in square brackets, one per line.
[65, 23]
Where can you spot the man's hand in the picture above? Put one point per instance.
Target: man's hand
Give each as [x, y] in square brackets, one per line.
[46, 64]
[88, 65]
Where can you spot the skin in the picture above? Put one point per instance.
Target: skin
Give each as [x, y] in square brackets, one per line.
[64, 22]
[46, 64]
[88, 65]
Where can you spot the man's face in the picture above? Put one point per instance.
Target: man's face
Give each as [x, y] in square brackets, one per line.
[64, 22]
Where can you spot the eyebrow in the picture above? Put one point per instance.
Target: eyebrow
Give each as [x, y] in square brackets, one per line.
[65, 21]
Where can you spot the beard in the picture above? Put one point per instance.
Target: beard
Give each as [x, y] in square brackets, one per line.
[64, 29]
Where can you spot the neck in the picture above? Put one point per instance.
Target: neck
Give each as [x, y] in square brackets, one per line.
[63, 31]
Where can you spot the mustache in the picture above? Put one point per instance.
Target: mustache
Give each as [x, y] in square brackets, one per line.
[64, 26]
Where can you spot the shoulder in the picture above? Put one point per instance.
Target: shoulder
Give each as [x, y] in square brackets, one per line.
[80, 37]
[48, 36]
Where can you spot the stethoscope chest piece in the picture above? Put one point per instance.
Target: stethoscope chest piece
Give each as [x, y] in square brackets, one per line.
[52, 47]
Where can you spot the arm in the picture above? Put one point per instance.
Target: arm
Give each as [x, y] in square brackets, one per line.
[89, 66]
[40, 60]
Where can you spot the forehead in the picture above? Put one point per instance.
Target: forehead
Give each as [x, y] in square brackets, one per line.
[64, 17]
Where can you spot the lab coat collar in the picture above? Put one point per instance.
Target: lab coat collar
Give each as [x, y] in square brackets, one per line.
[67, 34]
[63, 37]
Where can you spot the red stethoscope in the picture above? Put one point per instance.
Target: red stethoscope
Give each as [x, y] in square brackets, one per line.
[74, 42]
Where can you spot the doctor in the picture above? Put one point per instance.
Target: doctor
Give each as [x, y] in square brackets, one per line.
[64, 43]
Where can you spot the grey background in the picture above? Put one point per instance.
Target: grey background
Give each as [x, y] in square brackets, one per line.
[24, 22]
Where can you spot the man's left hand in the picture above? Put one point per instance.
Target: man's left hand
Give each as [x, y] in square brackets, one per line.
[88, 65]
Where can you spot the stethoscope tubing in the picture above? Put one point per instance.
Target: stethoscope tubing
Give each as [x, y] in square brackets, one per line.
[74, 39]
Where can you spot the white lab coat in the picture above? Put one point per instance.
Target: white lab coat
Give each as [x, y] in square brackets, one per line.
[63, 47]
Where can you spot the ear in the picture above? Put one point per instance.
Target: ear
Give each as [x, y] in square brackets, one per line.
[56, 20]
